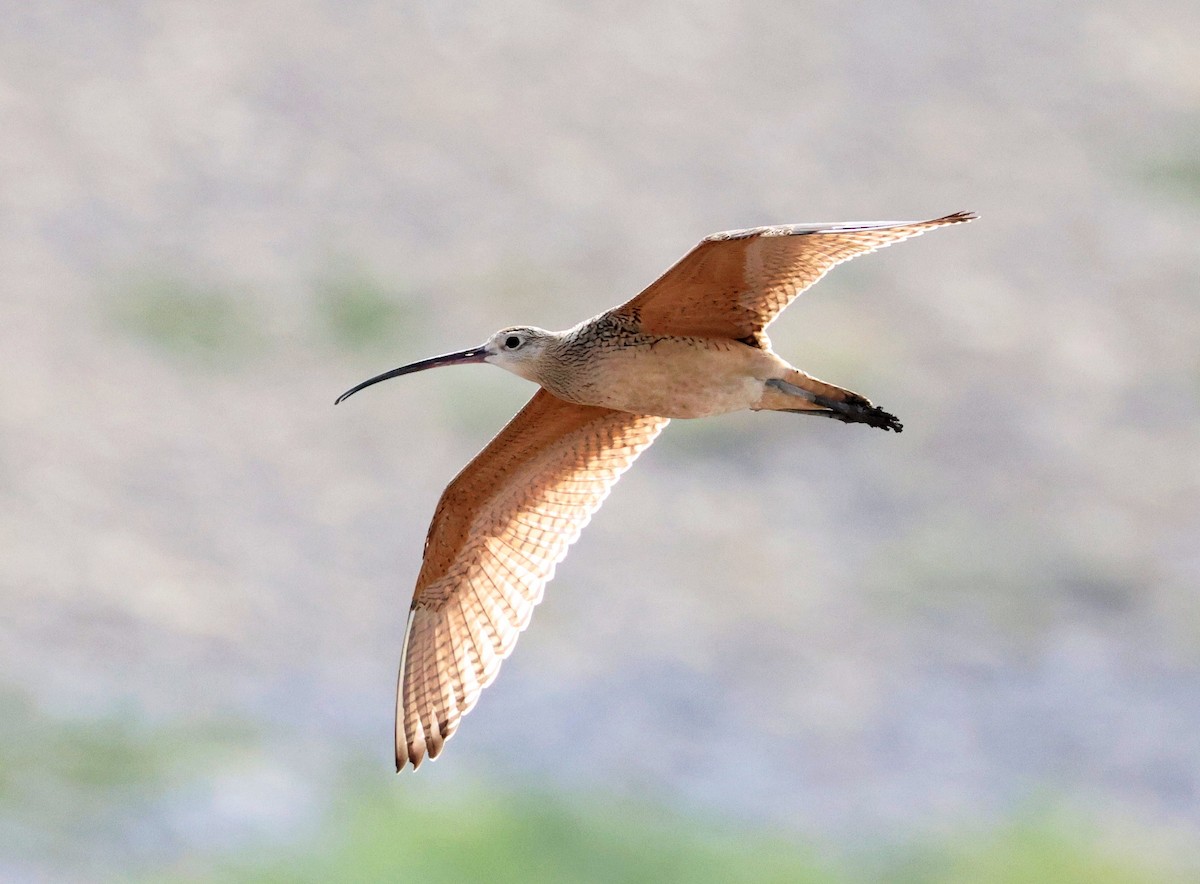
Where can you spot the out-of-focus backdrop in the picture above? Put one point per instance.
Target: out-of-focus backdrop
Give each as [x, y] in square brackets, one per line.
[786, 649]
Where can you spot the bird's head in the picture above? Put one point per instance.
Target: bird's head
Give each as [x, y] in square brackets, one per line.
[518, 349]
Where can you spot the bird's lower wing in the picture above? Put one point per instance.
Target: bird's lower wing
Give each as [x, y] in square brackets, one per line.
[733, 284]
[499, 530]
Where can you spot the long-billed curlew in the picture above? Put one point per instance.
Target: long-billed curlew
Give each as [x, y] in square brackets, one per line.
[692, 344]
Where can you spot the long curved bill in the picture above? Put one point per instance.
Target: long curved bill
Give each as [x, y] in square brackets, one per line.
[462, 357]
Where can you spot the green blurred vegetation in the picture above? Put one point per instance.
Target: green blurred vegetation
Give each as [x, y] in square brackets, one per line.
[384, 837]
[1178, 177]
[1041, 848]
[205, 321]
[185, 318]
[358, 312]
[88, 796]
[380, 832]
[77, 790]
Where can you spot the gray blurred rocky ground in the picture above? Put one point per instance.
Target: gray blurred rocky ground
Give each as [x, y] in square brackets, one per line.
[217, 216]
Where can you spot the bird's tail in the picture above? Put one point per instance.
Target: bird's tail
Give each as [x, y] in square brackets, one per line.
[801, 393]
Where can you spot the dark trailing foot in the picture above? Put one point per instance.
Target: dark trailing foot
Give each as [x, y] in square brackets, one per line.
[857, 410]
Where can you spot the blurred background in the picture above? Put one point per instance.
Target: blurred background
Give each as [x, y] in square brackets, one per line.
[786, 649]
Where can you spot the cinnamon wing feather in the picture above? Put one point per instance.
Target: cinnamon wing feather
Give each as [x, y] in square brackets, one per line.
[500, 528]
[734, 284]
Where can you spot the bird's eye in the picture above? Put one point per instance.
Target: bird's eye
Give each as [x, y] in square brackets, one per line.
[512, 342]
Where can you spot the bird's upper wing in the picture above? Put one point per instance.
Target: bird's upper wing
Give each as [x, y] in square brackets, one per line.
[499, 529]
[733, 284]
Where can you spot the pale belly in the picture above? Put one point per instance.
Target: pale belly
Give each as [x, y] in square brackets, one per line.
[678, 378]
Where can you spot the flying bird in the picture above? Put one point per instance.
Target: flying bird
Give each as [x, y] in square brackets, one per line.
[693, 344]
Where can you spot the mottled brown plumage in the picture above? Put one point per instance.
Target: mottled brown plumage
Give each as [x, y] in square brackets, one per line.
[734, 284]
[692, 344]
[499, 530]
